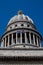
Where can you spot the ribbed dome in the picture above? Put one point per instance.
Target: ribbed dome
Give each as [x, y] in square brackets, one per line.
[20, 17]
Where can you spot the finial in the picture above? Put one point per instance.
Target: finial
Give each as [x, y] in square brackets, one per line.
[20, 12]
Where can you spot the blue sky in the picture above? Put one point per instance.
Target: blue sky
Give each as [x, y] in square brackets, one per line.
[32, 8]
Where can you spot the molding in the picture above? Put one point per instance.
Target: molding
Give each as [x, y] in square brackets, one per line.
[35, 48]
[20, 29]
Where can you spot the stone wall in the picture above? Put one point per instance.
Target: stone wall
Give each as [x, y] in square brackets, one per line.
[21, 52]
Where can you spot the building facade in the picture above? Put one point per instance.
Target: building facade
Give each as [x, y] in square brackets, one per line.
[21, 42]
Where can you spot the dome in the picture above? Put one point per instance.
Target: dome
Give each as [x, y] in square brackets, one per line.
[21, 33]
[20, 17]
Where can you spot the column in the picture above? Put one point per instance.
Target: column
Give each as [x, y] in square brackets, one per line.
[12, 39]
[16, 38]
[8, 40]
[2, 43]
[37, 41]
[30, 38]
[21, 37]
[5, 42]
[25, 38]
[40, 42]
[34, 39]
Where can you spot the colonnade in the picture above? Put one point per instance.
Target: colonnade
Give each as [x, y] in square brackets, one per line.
[21, 38]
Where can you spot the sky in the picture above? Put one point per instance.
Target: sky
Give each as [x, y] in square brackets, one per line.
[32, 8]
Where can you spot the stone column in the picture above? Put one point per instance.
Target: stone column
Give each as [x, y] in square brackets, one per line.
[8, 40]
[40, 42]
[37, 41]
[21, 37]
[34, 39]
[25, 38]
[30, 38]
[12, 39]
[2, 43]
[16, 37]
[5, 42]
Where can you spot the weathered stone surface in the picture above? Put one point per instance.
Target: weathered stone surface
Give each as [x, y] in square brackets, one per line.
[21, 52]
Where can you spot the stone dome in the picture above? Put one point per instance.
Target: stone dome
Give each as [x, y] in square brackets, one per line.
[20, 17]
[20, 33]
